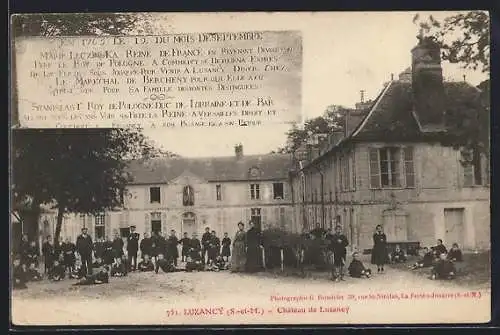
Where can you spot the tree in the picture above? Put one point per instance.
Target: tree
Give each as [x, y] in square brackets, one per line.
[465, 39]
[332, 120]
[74, 170]
[79, 171]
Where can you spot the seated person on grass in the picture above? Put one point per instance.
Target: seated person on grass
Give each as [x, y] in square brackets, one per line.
[77, 272]
[119, 268]
[99, 277]
[57, 272]
[398, 255]
[98, 263]
[33, 274]
[455, 254]
[218, 264]
[193, 262]
[19, 274]
[164, 265]
[146, 264]
[426, 261]
[357, 269]
[443, 269]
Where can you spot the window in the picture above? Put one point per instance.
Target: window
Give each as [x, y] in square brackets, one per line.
[155, 222]
[254, 191]
[188, 196]
[99, 227]
[278, 193]
[218, 192]
[387, 166]
[255, 216]
[475, 170]
[154, 195]
[331, 196]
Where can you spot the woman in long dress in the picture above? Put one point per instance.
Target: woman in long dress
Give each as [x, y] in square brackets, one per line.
[379, 251]
[254, 249]
[239, 258]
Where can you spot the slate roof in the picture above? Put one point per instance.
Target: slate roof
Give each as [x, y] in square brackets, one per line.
[391, 117]
[212, 169]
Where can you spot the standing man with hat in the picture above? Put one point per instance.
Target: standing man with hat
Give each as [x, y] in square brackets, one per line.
[132, 248]
[84, 246]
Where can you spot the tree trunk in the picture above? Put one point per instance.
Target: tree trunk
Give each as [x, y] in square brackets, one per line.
[60, 216]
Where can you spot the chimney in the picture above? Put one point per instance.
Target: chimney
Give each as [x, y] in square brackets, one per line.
[427, 84]
[238, 151]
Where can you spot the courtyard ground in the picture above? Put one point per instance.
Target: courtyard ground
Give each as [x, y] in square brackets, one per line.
[397, 296]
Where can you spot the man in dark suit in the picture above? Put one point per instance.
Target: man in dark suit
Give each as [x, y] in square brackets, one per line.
[132, 248]
[84, 246]
[205, 244]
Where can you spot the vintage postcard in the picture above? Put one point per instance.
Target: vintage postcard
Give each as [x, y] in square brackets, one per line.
[250, 168]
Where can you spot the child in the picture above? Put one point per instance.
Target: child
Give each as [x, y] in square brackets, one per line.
[119, 269]
[455, 254]
[194, 263]
[398, 255]
[218, 264]
[226, 248]
[107, 252]
[68, 249]
[357, 269]
[165, 265]
[100, 277]
[439, 249]
[185, 242]
[33, 254]
[77, 272]
[426, 260]
[98, 263]
[146, 264]
[338, 245]
[443, 269]
[57, 272]
[19, 274]
[125, 262]
[33, 274]
[48, 253]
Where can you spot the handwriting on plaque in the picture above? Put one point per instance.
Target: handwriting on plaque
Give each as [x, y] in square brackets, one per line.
[168, 81]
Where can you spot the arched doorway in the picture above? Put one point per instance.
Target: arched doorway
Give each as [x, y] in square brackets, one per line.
[189, 223]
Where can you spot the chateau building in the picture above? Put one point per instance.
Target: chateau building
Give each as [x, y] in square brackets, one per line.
[189, 194]
[389, 166]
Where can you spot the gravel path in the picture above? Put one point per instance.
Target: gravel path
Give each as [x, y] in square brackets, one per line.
[225, 298]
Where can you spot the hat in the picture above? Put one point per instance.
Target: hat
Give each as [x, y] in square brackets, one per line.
[132, 227]
[84, 228]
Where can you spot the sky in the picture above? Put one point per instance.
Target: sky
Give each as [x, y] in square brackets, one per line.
[343, 53]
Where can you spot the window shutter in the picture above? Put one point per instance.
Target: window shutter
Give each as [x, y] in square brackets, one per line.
[468, 175]
[107, 225]
[409, 169]
[90, 225]
[374, 168]
[147, 223]
[353, 172]
[164, 222]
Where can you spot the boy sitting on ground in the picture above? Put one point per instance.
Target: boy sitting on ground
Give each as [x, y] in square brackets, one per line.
[164, 265]
[443, 269]
[357, 269]
[119, 268]
[57, 272]
[77, 272]
[455, 254]
[19, 274]
[398, 255]
[100, 277]
[426, 261]
[98, 263]
[146, 264]
[193, 262]
[33, 274]
[218, 264]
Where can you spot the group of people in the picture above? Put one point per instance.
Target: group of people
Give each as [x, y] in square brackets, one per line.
[93, 263]
[442, 261]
